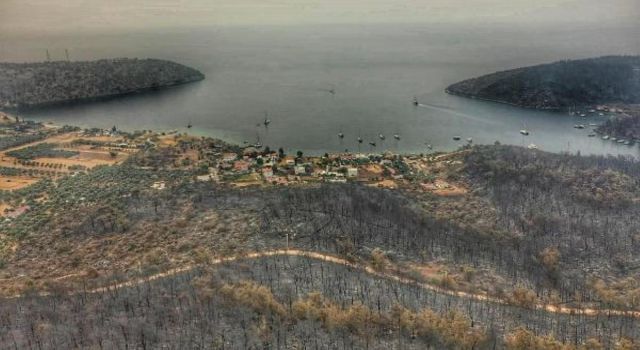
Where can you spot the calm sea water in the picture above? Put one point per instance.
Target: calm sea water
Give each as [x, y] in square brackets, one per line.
[374, 70]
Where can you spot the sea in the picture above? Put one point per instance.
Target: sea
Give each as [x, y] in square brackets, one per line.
[314, 82]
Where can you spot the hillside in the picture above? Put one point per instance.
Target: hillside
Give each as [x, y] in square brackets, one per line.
[284, 302]
[28, 85]
[559, 85]
[489, 247]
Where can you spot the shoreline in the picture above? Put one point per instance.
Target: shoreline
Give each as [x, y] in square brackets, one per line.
[474, 97]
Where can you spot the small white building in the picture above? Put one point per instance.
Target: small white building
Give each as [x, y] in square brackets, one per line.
[299, 170]
[229, 157]
[204, 177]
[352, 172]
[158, 185]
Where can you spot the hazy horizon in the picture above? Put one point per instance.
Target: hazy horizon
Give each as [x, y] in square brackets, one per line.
[46, 17]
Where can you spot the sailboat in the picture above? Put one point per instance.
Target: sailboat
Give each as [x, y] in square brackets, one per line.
[258, 144]
[266, 119]
[415, 101]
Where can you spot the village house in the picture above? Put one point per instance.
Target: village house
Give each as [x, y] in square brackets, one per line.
[300, 170]
[352, 172]
[250, 152]
[225, 166]
[241, 166]
[204, 178]
[229, 157]
[267, 172]
[158, 185]
[280, 180]
[289, 161]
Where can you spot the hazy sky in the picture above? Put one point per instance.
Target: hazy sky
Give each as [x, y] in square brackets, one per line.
[38, 16]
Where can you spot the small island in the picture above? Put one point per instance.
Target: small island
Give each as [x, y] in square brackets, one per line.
[34, 85]
[563, 85]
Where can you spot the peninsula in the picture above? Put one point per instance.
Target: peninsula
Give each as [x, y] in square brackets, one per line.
[562, 85]
[33, 85]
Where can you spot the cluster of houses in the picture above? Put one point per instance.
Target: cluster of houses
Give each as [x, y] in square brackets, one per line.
[278, 168]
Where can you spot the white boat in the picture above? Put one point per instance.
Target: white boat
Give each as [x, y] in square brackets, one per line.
[524, 132]
[579, 126]
[532, 146]
[605, 137]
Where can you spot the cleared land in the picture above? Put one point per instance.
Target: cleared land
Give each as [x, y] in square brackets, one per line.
[15, 182]
[86, 156]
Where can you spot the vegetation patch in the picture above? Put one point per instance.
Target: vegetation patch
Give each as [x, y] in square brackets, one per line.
[41, 150]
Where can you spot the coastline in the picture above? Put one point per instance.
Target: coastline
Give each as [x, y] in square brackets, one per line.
[474, 97]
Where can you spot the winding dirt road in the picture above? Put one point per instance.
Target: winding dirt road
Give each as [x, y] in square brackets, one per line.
[371, 271]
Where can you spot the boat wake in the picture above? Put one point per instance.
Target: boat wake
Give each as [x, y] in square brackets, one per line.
[452, 111]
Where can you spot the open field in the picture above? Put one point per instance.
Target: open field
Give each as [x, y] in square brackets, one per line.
[86, 156]
[15, 182]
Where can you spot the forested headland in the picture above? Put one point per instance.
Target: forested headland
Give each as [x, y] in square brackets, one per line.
[559, 85]
[30, 85]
